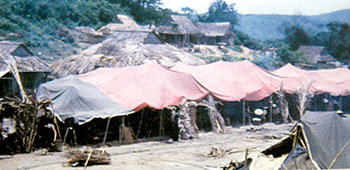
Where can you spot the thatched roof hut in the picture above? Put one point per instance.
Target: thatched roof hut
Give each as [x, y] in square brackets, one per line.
[25, 60]
[121, 23]
[124, 48]
[179, 25]
[316, 54]
[215, 29]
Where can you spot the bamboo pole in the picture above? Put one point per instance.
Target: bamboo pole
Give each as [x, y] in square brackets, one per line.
[338, 155]
[121, 130]
[271, 102]
[161, 128]
[139, 128]
[246, 159]
[243, 111]
[105, 136]
[13, 67]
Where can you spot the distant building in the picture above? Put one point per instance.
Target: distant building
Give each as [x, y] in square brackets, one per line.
[179, 30]
[216, 32]
[121, 23]
[32, 69]
[318, 55]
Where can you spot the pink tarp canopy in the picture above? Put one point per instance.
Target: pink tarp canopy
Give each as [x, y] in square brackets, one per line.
[297, 79]
[148, 85]
[233, 81]
[339, 75]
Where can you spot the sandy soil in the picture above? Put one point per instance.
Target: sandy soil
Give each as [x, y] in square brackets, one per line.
[188, 154]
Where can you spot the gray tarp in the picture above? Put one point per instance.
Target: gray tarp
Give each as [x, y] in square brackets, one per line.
[78, 99]
[327, 133]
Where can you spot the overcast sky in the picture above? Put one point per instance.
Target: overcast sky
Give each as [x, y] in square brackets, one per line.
[305, 7]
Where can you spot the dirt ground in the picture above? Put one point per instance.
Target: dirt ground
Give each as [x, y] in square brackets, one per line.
[187, 154]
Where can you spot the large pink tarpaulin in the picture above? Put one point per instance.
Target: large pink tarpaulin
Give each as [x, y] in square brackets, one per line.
[299, 79]
[340, 76]
[233, 81]
[148, 85]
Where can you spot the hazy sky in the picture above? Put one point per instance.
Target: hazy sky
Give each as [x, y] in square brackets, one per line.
[305, 7]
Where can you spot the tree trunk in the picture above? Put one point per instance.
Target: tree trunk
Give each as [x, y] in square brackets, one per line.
[217, 121]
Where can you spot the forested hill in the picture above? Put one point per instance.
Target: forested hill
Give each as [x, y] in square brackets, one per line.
[265, 27]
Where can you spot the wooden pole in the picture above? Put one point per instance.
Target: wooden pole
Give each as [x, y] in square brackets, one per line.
[105, 137]
[246, 159]
[121, 130]
[338, 155]
[139, 128]
[271, 103]
[160, 123]
[13, 67]
[243, 111]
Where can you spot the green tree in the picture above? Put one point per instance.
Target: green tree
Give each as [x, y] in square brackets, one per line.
[296, 36]
[220, 11]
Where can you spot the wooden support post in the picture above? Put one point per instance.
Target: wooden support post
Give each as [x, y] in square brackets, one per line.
[139, 128]
[65, 135]
[105, 137]
[338, 155]
[246, 159]
[121, 130]
[243, 111]
[161, 123]
[271, 103]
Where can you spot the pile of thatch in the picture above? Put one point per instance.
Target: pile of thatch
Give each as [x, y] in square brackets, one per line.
[125, 48]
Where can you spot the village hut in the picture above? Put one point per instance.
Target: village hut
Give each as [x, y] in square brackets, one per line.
[32, 69]
[124, 48]
[179, 30]
[216, 33]
[318, 55]
[122, 22]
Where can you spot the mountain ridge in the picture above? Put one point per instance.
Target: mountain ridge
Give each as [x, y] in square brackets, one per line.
[265, 26]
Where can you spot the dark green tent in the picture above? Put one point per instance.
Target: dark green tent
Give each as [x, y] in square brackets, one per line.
[319, 141]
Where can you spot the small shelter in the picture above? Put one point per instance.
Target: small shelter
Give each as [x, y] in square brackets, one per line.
[179, 30]
[148, 85]
[320, 141]
[216, 32]
[124, 48]
[32, 69]
[317, 55]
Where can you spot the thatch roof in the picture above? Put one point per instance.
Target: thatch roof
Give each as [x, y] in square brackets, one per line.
[25, 60]
[124, 48]
[126, 20]
[9, 48]
[178, 24]
[122, 23]
[86, 35]
[316, 54]
[214, 29]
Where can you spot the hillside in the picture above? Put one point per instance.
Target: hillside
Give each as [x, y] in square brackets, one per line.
[265, 27]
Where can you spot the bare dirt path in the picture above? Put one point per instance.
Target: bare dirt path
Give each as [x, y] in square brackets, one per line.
[165, 155]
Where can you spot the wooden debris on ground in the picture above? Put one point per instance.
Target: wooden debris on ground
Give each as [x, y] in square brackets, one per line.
[218, 152]
[85, 157]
